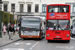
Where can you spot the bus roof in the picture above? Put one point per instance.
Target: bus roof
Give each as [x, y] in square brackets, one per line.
[58, 5]
[40, 17]
[31, 17]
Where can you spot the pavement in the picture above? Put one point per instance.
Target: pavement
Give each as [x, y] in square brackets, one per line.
[5, 39]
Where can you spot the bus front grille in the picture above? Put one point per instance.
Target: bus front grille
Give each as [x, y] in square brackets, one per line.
[57, 38]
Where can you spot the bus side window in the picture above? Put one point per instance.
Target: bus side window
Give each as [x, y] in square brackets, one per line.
[41, 26]
[62, 10]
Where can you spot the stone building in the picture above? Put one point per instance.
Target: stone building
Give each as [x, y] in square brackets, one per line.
[35, 7]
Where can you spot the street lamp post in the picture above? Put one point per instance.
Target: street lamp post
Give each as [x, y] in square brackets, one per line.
[20, 16]
[0, 18]
[13, 15]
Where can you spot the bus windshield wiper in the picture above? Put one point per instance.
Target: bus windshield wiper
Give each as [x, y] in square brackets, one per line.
[25, 28]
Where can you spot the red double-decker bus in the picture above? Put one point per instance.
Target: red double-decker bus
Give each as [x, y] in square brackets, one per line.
[58, 22]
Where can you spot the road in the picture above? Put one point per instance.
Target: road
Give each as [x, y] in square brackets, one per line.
[32, 44]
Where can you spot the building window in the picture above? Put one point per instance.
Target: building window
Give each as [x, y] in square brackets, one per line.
[29, 8]
[44, 8]
[36, 8]
[5, 7]
[74, 8]
[12, 7]
[71, 7]
[21, 7]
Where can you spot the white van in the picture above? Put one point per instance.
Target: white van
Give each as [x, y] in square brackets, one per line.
[72, 31]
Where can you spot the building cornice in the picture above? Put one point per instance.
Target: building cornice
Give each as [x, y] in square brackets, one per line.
[21, 2]
[29, 2]
[5, 1]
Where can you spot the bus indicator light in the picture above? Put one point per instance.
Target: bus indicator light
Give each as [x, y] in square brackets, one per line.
[47, 34]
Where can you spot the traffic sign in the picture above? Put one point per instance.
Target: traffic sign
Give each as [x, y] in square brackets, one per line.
[15, 17]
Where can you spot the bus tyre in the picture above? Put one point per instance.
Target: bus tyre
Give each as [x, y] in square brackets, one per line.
[23, 38]
[71, 35]
[48, 40]
[41, 37]
[67, 41]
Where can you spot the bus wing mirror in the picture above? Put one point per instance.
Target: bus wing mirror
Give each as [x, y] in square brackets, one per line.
[71, 27]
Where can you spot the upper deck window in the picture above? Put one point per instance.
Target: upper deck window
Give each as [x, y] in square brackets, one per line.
[61, 9]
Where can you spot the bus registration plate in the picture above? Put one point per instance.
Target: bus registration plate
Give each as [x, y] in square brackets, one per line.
[57, 36]
[30, 36]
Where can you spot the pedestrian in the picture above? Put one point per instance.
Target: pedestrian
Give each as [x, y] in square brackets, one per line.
[4, 29]
[54, 28]
[11, 31]
[8, 29]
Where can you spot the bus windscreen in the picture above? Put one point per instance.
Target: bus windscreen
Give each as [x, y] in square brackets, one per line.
[31, 24]
[58, 25]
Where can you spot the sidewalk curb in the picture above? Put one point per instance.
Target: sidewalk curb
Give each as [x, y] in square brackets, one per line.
[9, 43]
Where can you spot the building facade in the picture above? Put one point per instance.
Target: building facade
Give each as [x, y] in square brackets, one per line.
[35, 7]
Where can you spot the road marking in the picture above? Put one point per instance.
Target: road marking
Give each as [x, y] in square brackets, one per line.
[16, 43]
[20, 49]
[13, 49]
[71, 47]
[65, 47]
[34, 45]
[28, 43]
[22, 43]
[5, 49]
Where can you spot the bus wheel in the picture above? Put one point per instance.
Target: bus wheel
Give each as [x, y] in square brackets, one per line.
[67, 41]
[48, 40]
[24, 38]
[71, 35]
[41, 37]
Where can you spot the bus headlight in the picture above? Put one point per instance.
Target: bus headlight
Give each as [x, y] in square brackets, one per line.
[67, 35]
[21, 32]
[47, 34]
[38, 33]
